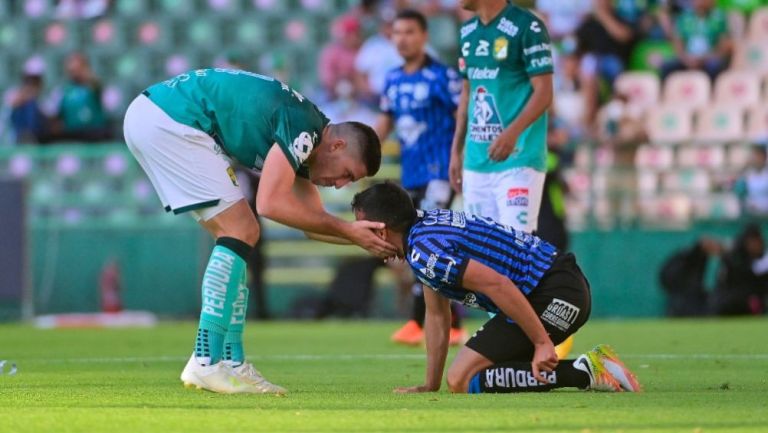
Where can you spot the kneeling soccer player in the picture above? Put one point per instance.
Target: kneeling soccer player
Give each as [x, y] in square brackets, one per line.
[539, 295]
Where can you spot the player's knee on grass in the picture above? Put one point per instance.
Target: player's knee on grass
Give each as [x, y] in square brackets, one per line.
[457, 382]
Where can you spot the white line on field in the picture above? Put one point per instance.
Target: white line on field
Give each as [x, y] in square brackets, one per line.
[382, 356]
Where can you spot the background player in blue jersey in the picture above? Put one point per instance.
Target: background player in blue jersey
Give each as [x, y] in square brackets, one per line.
[419, 102]
[539, 295]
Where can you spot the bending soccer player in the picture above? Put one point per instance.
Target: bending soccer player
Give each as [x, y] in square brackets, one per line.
[186, 132]
[540, 297]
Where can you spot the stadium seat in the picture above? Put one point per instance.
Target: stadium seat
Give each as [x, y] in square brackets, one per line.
[687, 88]
[737, 88]
[579, 182]
[669, 124]
[131, 8]
[667, 210]
[177, 8]
[757, 124]
[738, 156]
[725, 206]
[654, 157]
[737, 25]
[15, 37]
[205, 32]
[647, 183]
[108, 34]
[719, 123]
[690, 181]
[758, 25]
[752, 55]
[711, 157]
[642, 88]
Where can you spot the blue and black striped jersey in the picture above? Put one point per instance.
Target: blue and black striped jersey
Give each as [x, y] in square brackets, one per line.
[422, 105]
[442, 242]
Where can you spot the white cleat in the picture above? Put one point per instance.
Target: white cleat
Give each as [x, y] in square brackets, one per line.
[257, 383]
[606, 371]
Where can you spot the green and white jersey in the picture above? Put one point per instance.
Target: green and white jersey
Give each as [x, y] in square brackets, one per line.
[498, 59]
[700, 35]
[246, 113]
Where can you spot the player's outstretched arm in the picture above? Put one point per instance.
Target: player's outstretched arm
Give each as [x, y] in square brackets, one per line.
[437, 325]
[513, 304]
[295, 202]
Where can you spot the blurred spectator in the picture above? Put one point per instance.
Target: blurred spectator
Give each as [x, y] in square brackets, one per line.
[701, 40]
[683, 275]
[575, 101]
[743, 277]
[620, 123]
[27, 120]
[376, 57]
[345, 108]
[753, 185]
[80, 115]
[607, 36]
[81, 9]
[552, 227]
[563, 17]
[337, 59]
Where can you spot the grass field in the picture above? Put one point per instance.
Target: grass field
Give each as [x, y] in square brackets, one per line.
[699, 376]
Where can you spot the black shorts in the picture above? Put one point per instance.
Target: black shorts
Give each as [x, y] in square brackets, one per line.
[562, 301]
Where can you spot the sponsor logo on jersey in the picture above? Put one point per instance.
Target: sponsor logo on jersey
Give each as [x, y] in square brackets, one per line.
[542, 62]
[429, 271]
[560, 314]
[508, 27]
[465, 49]
[500, 48]
[467, 29]
[451, 263]
[536, 48]
[486, 122]
[535, 27]
[462, 64]
[517, 197]
[482, 49]
[302, 146]
[483, 73]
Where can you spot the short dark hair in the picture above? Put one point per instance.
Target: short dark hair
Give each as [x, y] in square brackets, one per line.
[387, 203]
[412, 14]
[365, 139]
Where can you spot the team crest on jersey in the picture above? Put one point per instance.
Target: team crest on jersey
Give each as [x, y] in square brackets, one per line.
[302, 146]
[232, 176]
[500, 48]
[486, 122]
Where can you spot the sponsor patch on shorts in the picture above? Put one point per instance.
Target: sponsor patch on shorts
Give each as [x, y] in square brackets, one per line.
[560, 314]
[517, 197]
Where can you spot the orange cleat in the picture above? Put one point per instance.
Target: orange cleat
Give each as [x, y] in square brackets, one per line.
[410, 334]
[457, 337]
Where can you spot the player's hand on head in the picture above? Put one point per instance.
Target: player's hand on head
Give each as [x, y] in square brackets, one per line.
[544, 360]
[412, 389]
[362, 233]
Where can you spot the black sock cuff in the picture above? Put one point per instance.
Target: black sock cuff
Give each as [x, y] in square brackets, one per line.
[237, 246]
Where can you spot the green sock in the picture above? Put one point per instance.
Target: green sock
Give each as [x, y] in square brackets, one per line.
[233, 341]
[220, 288]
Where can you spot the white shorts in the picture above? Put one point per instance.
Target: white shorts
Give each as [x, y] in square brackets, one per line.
[187, 168]
[511, 197]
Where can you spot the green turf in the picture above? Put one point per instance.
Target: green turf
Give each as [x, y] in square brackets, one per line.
[700, 376]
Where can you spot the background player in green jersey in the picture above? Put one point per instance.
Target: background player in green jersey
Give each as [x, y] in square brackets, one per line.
[186, 132]
[506, 61]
